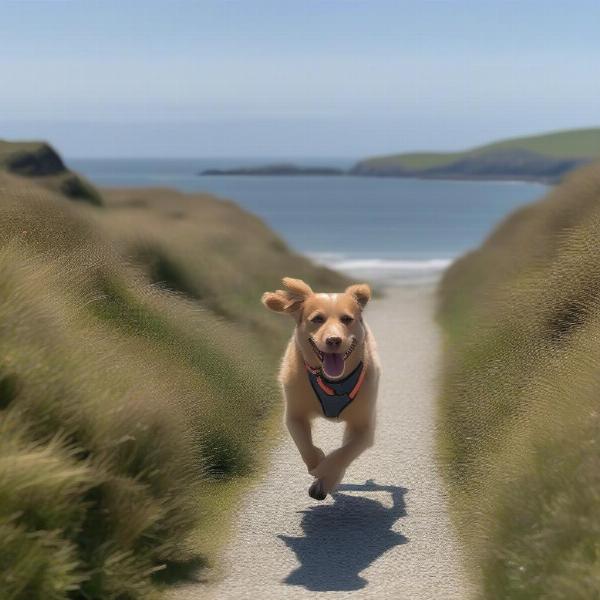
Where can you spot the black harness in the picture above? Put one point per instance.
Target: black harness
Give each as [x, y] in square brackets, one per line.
[335, 396]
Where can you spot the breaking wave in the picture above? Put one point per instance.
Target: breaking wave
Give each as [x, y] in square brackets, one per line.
[385, 270]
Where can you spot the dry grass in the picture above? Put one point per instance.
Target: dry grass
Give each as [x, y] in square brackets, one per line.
[128, 412]
[210, 250]
[519, 416]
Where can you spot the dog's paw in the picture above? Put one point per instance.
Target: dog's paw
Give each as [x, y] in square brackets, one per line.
[327, 469]
[316, 490]
[329, 473]
[315, 460]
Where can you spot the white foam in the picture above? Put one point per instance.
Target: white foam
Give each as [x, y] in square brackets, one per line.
[432, 264]
[385, 270]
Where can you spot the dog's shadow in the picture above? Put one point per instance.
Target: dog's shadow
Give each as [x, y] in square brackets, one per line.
[344, 538]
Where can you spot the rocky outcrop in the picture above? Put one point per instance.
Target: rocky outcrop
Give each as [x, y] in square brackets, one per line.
[32, 160]
[39, 160]
[278, 169]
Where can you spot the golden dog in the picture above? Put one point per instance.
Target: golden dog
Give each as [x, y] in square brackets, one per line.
[330, 369]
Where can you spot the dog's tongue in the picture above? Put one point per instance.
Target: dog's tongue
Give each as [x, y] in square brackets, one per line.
[333, 364]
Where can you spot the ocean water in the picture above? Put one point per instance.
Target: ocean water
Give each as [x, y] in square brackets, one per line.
[386, 230]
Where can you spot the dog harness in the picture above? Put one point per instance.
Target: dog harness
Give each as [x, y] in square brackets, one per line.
[335, 396]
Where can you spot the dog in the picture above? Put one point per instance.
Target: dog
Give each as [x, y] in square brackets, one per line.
[330, 369]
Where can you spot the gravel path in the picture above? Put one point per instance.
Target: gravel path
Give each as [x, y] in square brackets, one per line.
[386, 533]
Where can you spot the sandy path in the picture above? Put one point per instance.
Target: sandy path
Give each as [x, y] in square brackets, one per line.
[386, 534]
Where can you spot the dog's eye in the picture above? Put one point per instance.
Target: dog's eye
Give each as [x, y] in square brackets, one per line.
[346, 319]
[318, 319]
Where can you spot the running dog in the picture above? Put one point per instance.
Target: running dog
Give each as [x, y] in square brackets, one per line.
[329, 369]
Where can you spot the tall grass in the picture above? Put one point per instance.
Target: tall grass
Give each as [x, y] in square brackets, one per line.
[135, 383]
[209, 250]
[519, 413]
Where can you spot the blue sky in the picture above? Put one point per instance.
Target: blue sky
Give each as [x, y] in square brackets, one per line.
[342, 78]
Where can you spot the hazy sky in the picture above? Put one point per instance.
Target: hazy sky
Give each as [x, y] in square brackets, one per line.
[340, 78]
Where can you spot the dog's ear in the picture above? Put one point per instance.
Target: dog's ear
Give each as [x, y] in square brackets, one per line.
[288, 300]
[275, 301]
[361, 293]
[297, 288]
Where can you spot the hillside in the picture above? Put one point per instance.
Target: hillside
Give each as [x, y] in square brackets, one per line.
[540, 158]
[39, 160]
[136, 378]
[519, 419]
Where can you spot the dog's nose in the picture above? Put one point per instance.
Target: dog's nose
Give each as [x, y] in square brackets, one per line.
[333, 341]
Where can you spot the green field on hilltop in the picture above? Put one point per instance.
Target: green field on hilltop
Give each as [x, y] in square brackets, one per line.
[540, 156]
[577, 143]
[518, 413]
[137, 379]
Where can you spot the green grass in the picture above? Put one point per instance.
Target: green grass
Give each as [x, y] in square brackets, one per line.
[137, 383]
[575, 143]
[413, 160]
[570, 144]
[519, 419]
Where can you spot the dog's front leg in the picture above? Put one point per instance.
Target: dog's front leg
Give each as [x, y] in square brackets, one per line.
[331, 469]
[301, 432]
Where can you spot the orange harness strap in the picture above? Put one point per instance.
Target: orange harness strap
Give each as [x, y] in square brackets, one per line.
[329, 391]
[356, 388]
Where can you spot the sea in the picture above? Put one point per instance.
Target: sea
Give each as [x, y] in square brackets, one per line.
[386, 230]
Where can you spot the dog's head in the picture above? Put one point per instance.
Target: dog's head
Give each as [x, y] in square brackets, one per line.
[329, 327]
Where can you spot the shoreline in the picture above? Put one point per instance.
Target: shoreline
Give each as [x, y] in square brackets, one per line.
[334, 171]
[387, 272]
[546, 182]
[458, 179]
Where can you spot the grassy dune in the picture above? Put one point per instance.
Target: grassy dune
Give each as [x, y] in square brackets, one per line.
[545, 157]
[519, 413]
[136, 382]
[39, 160]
